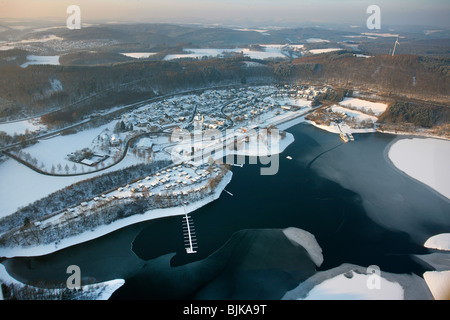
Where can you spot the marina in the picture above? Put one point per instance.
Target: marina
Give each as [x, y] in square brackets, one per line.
[190, 239]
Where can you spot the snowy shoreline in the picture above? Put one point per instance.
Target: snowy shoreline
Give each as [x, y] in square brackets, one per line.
[423, 159]
[98, 291]
[253, 149]
[106, 229]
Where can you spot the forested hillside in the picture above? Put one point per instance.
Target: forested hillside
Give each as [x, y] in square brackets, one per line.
[83, 89]
[413, 76]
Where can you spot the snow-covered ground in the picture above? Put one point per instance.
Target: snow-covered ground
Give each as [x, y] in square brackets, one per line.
[426, 160]
[439, 241]
[99, 291]
[50, 60]
[54, 151]
[307, 241]
[21, 186]
[353, 282]
[199, 53]
[21, 127]
[357, 115]
[439, 284]
[270, 51]
[384, 35]
[355, 286]
[14, 44]
[139, 55]
[105, 229]
[337, 128]
[348, 106]
[364, 105]
[439, 281]
[316, 40]
[318, 51]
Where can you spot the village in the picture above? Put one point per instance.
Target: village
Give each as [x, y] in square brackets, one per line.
[144, 136]
[180, 182]
[233, 109]
[218, 109]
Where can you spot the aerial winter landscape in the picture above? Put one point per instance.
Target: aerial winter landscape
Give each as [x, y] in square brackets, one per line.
[205, 151]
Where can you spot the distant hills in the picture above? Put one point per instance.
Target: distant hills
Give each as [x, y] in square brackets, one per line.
[93, 69]
[149, 36]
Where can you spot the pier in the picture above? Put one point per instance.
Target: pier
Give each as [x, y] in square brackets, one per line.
[190, 239]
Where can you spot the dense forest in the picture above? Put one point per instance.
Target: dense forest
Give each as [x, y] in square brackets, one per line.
[420, 115]
[414, 76]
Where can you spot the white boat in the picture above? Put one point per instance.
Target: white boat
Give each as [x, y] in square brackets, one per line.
[343, 137]
[289, 157]
[350, 136]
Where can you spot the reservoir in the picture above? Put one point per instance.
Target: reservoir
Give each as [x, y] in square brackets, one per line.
[360, 209]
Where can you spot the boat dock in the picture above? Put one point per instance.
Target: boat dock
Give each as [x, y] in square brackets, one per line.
[345, 136]
[190, 239]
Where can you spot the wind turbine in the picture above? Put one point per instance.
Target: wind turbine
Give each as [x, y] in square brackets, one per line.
[395, 46]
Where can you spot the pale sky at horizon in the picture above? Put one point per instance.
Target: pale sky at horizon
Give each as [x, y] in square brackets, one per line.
[242, 12]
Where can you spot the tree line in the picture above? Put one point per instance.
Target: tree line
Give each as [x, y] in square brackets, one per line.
[78, 192]
[86, 89]
[419, 115]
[102, 213]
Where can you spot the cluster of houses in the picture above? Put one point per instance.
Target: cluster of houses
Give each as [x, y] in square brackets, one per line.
[212, 109]
[173, 182]
[299, 91]
[207, 110]
[177, 180]
[203, 110]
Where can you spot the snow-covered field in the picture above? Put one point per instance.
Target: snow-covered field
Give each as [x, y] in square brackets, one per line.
[316, 40]
[21, 127]
[31, 60]
[384, 35]
[21, 186]
[318, 51]
[54, 151]
[271, 51]
[364, 105]
[359, 116]
[139, 55]
[334, 128]
[426, 160]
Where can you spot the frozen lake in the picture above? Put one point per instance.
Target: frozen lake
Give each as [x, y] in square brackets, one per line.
[356, 204]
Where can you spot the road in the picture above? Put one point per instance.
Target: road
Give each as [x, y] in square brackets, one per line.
[122, 156]
[118, 110]
[4, 150]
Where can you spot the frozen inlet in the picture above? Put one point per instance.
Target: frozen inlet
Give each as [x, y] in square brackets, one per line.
[190, 239]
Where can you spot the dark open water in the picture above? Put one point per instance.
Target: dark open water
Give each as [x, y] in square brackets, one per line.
[242, 252]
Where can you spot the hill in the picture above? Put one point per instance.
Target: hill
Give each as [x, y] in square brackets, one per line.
[85, 89]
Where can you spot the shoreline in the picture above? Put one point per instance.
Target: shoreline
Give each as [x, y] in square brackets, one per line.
[39, 250]
[119, 224]
[401, 171]
[399, 136]
[174, 211]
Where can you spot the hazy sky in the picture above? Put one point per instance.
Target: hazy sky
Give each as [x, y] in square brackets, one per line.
[242, 12]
